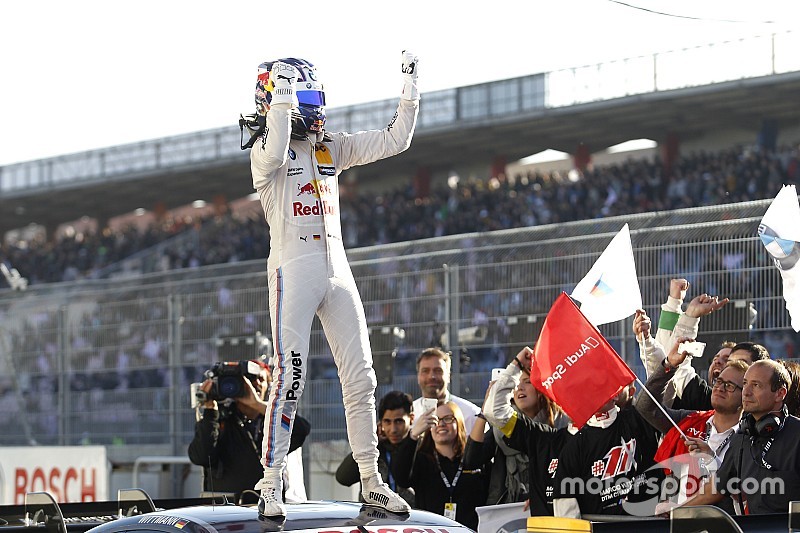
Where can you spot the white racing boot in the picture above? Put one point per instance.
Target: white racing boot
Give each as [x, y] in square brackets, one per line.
[378, 493]
[270, 504]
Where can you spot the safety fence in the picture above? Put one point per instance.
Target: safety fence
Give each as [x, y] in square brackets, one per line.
[111, 361]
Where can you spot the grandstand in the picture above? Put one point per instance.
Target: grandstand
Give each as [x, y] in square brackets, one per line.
[109, 360]
[473, 130]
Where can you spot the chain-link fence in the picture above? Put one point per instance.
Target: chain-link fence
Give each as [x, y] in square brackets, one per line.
[111, 362]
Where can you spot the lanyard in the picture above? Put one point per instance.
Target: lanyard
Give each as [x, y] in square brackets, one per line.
[392, 484]
[767, 446]
[703, 465]
[451, 486]
[724, 442]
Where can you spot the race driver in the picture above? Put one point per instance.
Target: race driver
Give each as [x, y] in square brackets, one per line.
[295, 165]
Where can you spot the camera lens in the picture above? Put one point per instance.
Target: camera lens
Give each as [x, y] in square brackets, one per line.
[230, 387]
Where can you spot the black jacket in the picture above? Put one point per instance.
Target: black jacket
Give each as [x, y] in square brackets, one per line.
[229, 450]
[696, 396]
[347, 474]
[422, 473]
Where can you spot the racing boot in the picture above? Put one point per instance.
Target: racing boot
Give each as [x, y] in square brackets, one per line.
[270, 503]
[376, 492]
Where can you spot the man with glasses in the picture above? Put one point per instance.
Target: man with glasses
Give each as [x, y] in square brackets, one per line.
[696, 393]
[761, 471]
[708, 434]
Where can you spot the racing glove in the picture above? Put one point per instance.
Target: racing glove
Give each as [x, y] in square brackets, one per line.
[282, 78]
[410, 70]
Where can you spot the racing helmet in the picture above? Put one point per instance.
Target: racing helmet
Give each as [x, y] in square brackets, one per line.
[309, 115]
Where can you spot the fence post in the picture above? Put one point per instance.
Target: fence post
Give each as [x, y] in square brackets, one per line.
[451, 316]
[63, 364]
[175, 317]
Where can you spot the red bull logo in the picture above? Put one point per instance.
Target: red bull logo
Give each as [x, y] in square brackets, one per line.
[308, 188]
[314, 188]
[320, 207]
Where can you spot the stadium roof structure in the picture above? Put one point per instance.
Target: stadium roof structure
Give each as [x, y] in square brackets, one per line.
[465, 127]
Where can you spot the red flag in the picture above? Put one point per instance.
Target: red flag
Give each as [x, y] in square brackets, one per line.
[574, 365]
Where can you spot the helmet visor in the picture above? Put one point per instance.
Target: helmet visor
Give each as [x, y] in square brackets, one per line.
[312, 98]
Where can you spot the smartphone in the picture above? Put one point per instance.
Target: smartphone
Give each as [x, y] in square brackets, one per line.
[496, 373]
[428, 404]
[194, 388]
[695, 349]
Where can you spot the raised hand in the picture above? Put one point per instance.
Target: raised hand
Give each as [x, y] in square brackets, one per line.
[641, 325]
[282, 78]
[678, 288]
[423, 423]
[410, 69]
[704, 305]
[675, 357]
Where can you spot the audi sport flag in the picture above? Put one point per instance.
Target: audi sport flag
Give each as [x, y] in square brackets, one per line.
[574, 365]
[780, 232]
[610, 290]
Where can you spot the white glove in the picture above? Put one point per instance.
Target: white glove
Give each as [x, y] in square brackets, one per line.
[410, 71]
[282, 78]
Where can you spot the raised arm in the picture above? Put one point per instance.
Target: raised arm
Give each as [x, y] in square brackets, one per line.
[655, 385]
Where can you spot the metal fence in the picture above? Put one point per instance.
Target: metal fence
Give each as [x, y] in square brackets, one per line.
[111, 362]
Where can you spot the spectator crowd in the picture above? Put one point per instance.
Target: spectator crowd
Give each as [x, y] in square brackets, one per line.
[678, 444]
[452, 456]
[472, 205]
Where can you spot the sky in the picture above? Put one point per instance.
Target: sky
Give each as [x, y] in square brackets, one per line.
[82, 75]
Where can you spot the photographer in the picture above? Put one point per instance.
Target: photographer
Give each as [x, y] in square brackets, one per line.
[227, 439]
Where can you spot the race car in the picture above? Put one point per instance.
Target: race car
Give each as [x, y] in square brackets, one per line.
[136, 512]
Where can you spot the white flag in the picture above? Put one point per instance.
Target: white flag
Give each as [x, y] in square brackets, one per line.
[610, 290]
[506, 517]
[780, 233]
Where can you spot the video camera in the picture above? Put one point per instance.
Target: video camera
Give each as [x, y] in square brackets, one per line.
[226, 381]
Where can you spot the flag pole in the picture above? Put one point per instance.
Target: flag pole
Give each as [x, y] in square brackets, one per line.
[661, 407]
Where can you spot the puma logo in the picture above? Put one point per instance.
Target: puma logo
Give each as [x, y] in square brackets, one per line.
[304, 239]
[383, 499]
[282, 77]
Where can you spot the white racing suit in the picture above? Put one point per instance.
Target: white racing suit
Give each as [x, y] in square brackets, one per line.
[297, 182]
